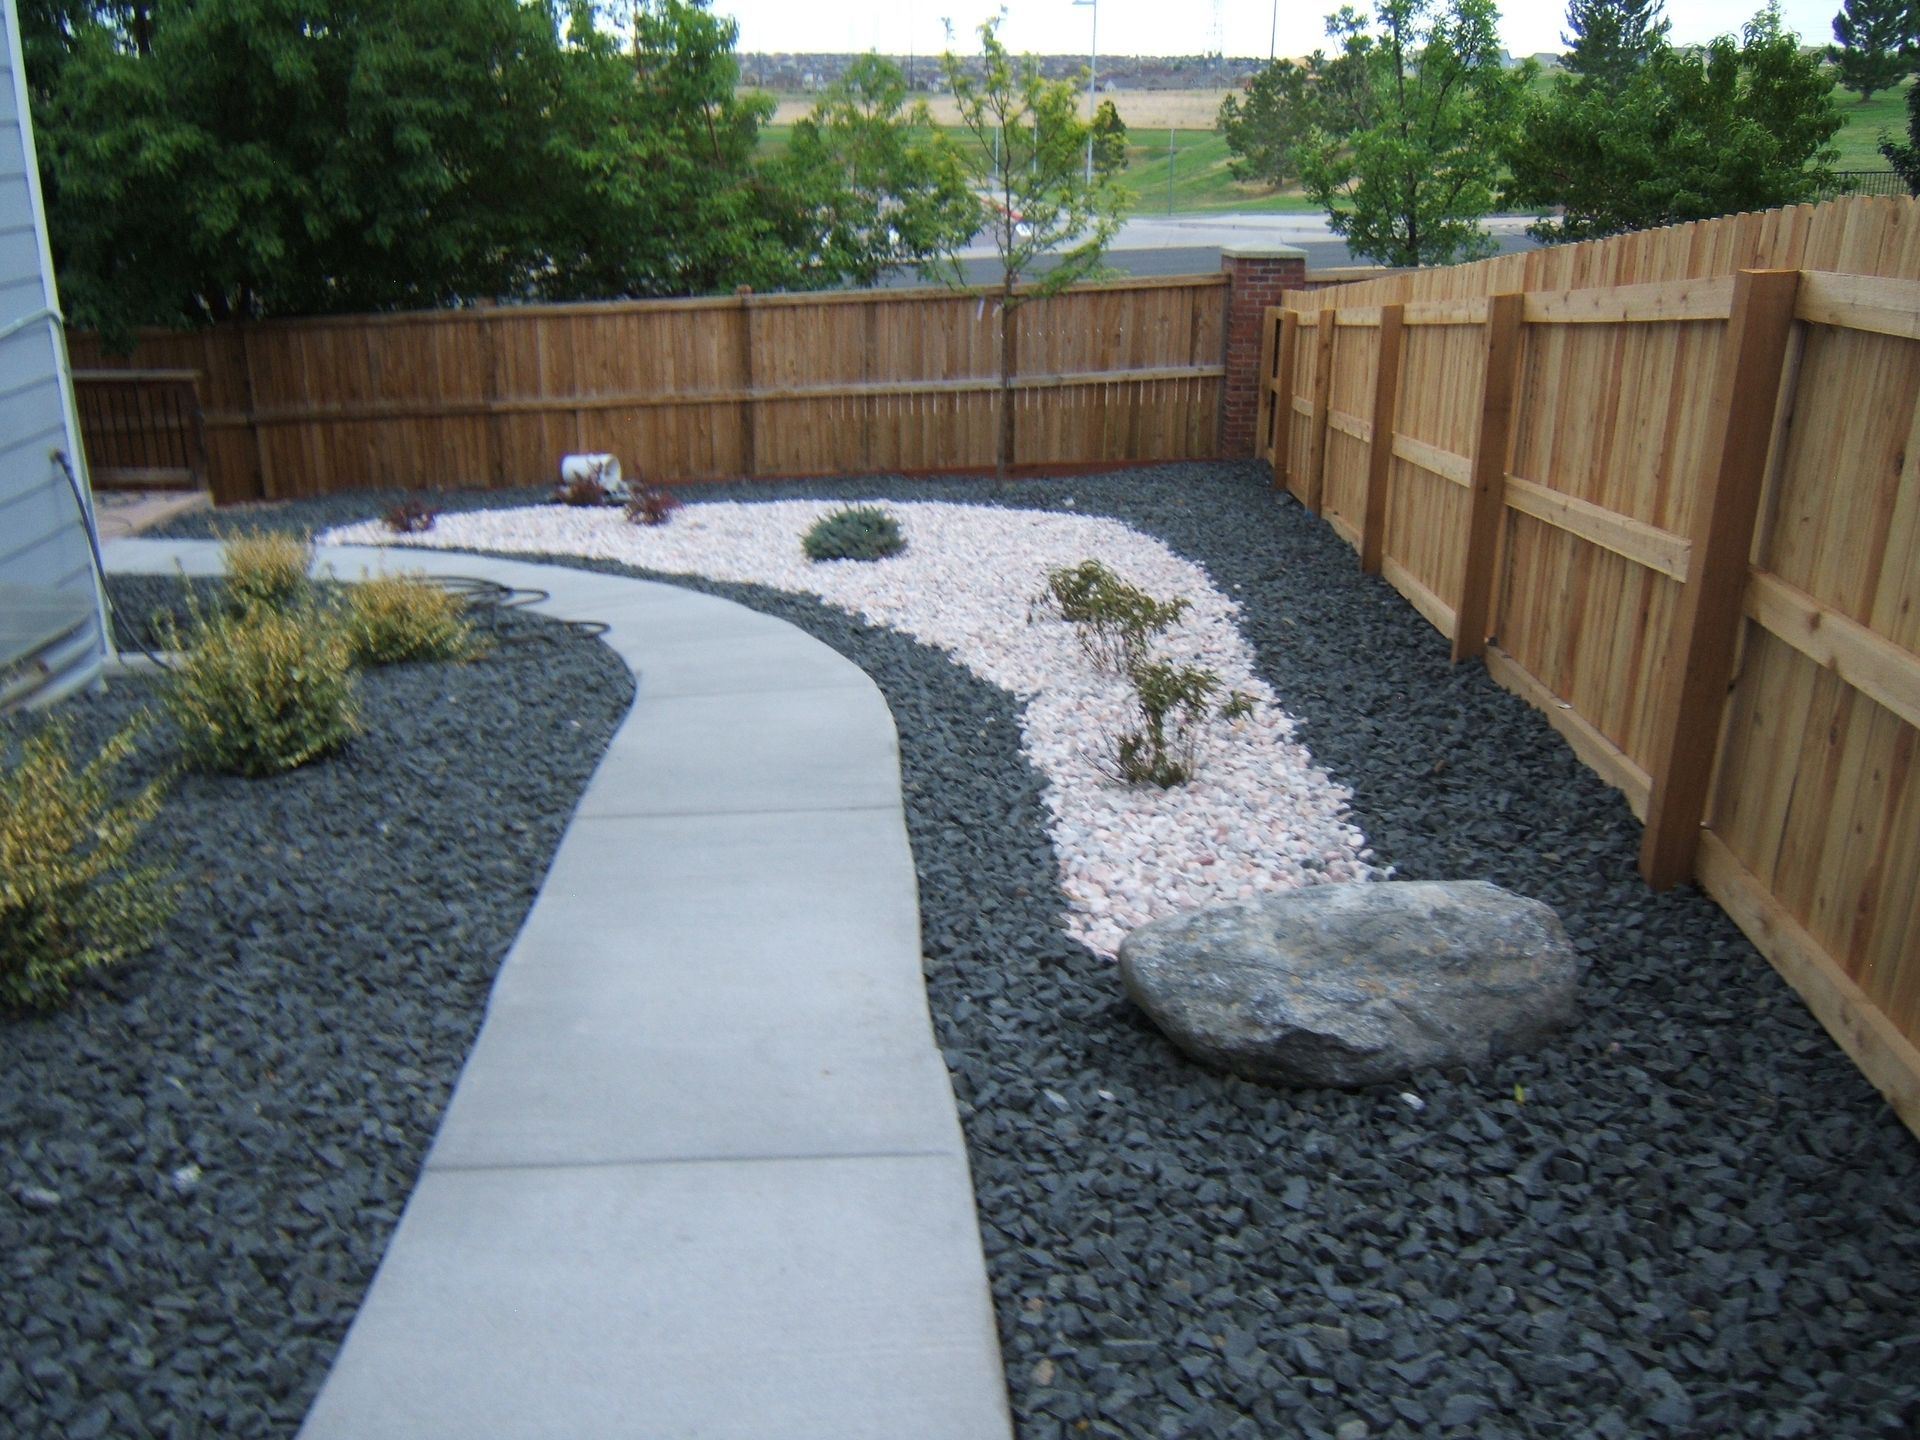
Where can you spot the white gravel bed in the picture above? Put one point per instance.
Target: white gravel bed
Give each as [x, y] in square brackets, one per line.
[1259, 816]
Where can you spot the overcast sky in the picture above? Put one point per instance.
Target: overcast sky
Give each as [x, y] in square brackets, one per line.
[1157, 27]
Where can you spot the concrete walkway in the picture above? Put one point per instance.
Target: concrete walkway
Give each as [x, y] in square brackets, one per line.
[702, 1174]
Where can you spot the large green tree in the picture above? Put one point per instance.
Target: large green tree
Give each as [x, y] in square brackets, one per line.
[1412, 182]
[1288, 101]
[215, 159]
[870, 184]
[1740, 125]
[1025, 149]
[1609, 40]
[1874, 42]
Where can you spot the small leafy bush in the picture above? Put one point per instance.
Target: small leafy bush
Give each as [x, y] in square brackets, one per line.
[262, 692]
[70, 901]
[394, 618]
[651, 506]
[1173, 702]
[583, 491]
[268, 570]
[859, 532]
[1114, 620]
[410, 517]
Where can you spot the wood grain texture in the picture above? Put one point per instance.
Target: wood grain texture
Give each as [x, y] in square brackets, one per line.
[1622, 422]
[1699, 657]
[847, 382]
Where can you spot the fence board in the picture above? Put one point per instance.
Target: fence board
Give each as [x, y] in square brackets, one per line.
[1800, 726]
[762, 385]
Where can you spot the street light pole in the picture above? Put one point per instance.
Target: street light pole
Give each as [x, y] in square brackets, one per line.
[1093, 81]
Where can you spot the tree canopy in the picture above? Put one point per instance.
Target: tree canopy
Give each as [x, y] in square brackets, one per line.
[1739, 125]
[872, 185]
[1287, 101]
[211, 159]
[1410, 182]
[1609, 40]
[1874, 44]
[1905, 159]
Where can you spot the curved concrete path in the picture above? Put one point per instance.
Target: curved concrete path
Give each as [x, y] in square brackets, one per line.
[702, 1174]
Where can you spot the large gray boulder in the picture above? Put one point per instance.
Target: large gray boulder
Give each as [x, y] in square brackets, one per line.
[1355, 984]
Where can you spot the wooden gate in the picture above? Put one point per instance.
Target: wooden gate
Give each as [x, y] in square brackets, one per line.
[143, 429]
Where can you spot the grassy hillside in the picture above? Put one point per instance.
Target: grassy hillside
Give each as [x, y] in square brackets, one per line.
[1859, 143]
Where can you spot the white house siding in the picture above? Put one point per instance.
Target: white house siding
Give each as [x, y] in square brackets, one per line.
[43, 542]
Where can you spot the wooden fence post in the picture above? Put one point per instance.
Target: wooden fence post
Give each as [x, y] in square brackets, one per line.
[1699, 663]
[262, 477]
[496, 420]
[1488, 496]
[1322, 402]
[1282, 401]
[1386, 391]
[750, 442]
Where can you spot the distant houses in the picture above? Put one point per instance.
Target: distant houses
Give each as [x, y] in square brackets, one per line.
[805, 74]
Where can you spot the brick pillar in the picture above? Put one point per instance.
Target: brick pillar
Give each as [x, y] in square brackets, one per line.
[1256, 274]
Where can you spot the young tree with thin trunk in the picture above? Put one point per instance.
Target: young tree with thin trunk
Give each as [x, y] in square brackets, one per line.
[1025, 149]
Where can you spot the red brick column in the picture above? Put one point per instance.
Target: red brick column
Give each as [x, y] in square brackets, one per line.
[1255, 277]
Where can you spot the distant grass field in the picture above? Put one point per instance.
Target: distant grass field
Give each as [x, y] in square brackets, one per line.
[1859, 143]
[1198, 162]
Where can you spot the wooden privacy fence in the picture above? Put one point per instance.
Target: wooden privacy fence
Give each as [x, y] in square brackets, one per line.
[143, 428]
[698, 389]
[1683, 519]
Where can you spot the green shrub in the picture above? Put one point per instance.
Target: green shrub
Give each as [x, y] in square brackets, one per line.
[69, 901]
[268, 570]
[859, 532]
[1173, 706]
[262, 692]
[394, 618]
[1114, 621]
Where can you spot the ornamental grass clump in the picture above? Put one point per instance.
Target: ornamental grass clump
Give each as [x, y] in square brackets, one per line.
[1114, 621]
[267, 571]
[858, 532]
[390, 619]
[261, 691]
[71, 900]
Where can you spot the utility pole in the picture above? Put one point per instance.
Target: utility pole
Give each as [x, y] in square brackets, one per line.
[1273, 32]
[1093, 81]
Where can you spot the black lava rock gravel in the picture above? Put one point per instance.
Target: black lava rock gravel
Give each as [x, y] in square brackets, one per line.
[202, 1158]
[1689, 1217]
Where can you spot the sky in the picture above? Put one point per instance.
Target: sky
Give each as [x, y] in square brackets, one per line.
[1157, 27]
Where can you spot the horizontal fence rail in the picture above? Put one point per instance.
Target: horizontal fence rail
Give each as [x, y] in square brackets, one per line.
[1667, 486]
[748, 385]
